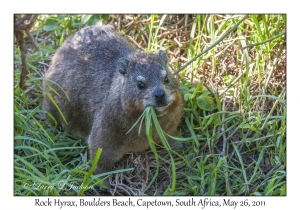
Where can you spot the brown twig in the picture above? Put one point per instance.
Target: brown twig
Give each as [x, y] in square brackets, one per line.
[24, 24]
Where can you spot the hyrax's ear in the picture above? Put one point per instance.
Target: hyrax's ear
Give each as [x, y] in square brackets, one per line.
[122, 65]
[163, 56]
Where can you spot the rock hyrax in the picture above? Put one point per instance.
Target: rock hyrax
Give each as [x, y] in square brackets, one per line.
[109, 84]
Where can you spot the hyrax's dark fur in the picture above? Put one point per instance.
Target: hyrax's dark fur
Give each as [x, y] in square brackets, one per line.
[109, 85]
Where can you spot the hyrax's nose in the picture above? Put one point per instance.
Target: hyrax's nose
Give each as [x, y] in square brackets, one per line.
[159, 94]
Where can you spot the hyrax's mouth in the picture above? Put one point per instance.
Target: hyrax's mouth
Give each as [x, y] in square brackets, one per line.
[161, 110]
[162, 107]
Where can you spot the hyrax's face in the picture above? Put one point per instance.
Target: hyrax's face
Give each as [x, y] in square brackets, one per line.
[148, 82]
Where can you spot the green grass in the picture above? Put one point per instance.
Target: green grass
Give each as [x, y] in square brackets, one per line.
[234, 124]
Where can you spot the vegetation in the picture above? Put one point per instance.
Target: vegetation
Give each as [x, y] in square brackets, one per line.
[234, 126]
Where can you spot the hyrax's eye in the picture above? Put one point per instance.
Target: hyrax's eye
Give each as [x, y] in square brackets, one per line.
[141, 85]
[166, 79]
